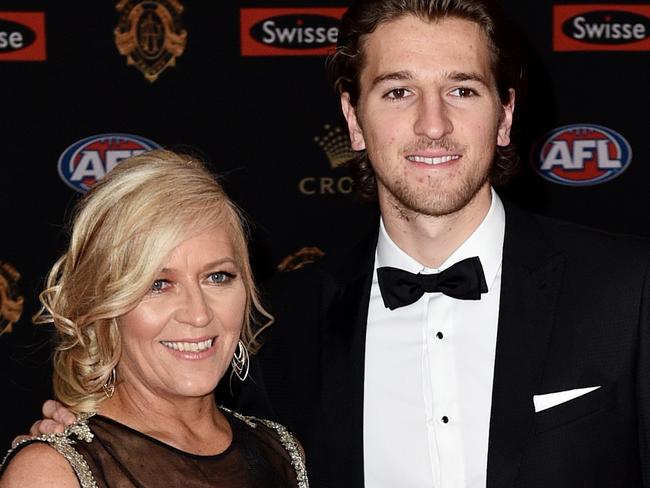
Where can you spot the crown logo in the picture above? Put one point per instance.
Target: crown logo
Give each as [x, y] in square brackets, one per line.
[335, 144]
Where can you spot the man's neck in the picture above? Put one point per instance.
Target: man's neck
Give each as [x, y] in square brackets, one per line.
[431, 240]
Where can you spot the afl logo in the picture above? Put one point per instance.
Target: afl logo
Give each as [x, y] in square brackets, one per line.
[87, 161]
[581, 155]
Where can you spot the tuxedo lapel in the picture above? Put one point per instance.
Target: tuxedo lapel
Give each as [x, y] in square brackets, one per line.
[531, 277]
[344, 336]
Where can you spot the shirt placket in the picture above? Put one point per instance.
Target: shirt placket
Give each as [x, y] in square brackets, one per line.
[442, 419]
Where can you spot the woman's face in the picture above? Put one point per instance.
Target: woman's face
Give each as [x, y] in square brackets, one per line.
[179, 340]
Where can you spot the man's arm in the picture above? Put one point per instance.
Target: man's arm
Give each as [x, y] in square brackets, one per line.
[643, 382]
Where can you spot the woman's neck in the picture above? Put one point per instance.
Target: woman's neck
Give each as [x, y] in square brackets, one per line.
[191, 424]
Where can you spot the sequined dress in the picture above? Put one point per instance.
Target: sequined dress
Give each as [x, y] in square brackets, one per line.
[103, 453]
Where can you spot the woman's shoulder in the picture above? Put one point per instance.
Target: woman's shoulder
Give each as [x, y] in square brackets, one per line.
[283, 436]
[38, 464]
[49, 460]
[278, 430]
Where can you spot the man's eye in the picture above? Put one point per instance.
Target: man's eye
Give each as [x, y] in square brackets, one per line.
[397, 94]
[220, 277]
[463, 92]
[159, 285]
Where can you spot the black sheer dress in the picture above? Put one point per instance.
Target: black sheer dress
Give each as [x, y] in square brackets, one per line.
[109, 454]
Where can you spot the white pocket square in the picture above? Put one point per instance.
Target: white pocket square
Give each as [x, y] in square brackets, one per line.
[548, 400]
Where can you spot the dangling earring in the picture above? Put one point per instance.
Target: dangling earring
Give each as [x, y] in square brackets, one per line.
[240, 361]
[109, 387]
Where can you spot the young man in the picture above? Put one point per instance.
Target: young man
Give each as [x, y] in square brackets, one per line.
[466, 343]
[525, 361]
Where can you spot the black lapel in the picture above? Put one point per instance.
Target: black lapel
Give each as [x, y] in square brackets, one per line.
[343, 358]
[531, 277]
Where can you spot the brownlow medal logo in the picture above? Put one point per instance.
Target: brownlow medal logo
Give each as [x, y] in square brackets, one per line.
[300, 259]
[11, 302]
[150, 34]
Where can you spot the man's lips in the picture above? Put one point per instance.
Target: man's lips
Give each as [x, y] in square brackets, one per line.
[431, 159]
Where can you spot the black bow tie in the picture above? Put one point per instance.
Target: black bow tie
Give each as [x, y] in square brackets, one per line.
[464, 280]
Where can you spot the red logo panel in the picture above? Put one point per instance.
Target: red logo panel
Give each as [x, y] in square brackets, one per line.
[601, 27]
[22, 36]
[289, 31]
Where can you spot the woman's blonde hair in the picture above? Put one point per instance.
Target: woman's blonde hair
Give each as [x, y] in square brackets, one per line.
[122, 232]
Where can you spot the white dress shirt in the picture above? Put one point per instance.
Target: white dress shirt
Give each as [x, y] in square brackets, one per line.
[428, 373]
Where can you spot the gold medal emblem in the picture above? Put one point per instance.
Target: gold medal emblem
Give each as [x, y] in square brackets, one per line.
[300, 259]
[11, 303]
[150, 34]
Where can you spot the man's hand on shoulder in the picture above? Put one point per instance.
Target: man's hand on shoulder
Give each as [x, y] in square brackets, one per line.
[55, 419]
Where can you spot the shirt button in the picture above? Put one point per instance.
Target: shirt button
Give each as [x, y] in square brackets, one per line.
[445, 419]
[440, 335]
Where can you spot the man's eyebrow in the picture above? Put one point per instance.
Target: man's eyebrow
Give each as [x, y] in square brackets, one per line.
[457, 76]
[466, 76]
[393, 75]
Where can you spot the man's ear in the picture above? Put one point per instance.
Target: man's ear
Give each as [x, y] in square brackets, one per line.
[505, 124]
[357, 141]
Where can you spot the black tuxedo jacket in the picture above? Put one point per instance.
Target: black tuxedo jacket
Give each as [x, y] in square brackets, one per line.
[574, 313]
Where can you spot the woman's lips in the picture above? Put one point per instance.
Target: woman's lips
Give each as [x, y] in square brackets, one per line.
[191, 349]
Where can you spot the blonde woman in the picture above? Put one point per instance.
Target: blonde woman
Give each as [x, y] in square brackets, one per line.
[152, 302]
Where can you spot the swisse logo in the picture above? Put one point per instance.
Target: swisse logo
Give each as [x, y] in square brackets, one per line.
[581, 155]
[601, 28]
[87, 161]
[289, 32]
[297, 31]
[607, 27]
[14, 36]
[22, 36]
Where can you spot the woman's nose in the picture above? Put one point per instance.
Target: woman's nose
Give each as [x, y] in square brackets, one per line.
[194, 309]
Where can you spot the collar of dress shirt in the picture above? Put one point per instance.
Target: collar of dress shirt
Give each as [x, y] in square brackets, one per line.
[486, 242]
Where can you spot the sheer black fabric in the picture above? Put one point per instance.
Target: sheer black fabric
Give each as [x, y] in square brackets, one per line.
[121, 457]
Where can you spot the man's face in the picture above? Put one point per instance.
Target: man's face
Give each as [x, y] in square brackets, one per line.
[428, 113]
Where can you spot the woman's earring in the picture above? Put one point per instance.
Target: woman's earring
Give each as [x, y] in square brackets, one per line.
[240, 361]
[109, 387]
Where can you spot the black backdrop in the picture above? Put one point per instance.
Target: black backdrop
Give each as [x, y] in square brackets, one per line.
[264, 121]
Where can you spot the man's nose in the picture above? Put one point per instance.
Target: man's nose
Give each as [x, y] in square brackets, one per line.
[433, 119]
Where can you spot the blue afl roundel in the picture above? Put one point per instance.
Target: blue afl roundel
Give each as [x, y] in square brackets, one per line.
[87, 161]
[581, 155]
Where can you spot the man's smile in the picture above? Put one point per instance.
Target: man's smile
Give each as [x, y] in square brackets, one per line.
[432, 160]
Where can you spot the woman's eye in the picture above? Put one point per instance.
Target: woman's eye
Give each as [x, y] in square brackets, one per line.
[220, 277]
[159, 285]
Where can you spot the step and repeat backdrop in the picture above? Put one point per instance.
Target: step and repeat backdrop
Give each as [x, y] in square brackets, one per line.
[242, 85]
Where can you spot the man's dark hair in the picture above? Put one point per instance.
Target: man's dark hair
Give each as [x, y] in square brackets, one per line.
[364, 16]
